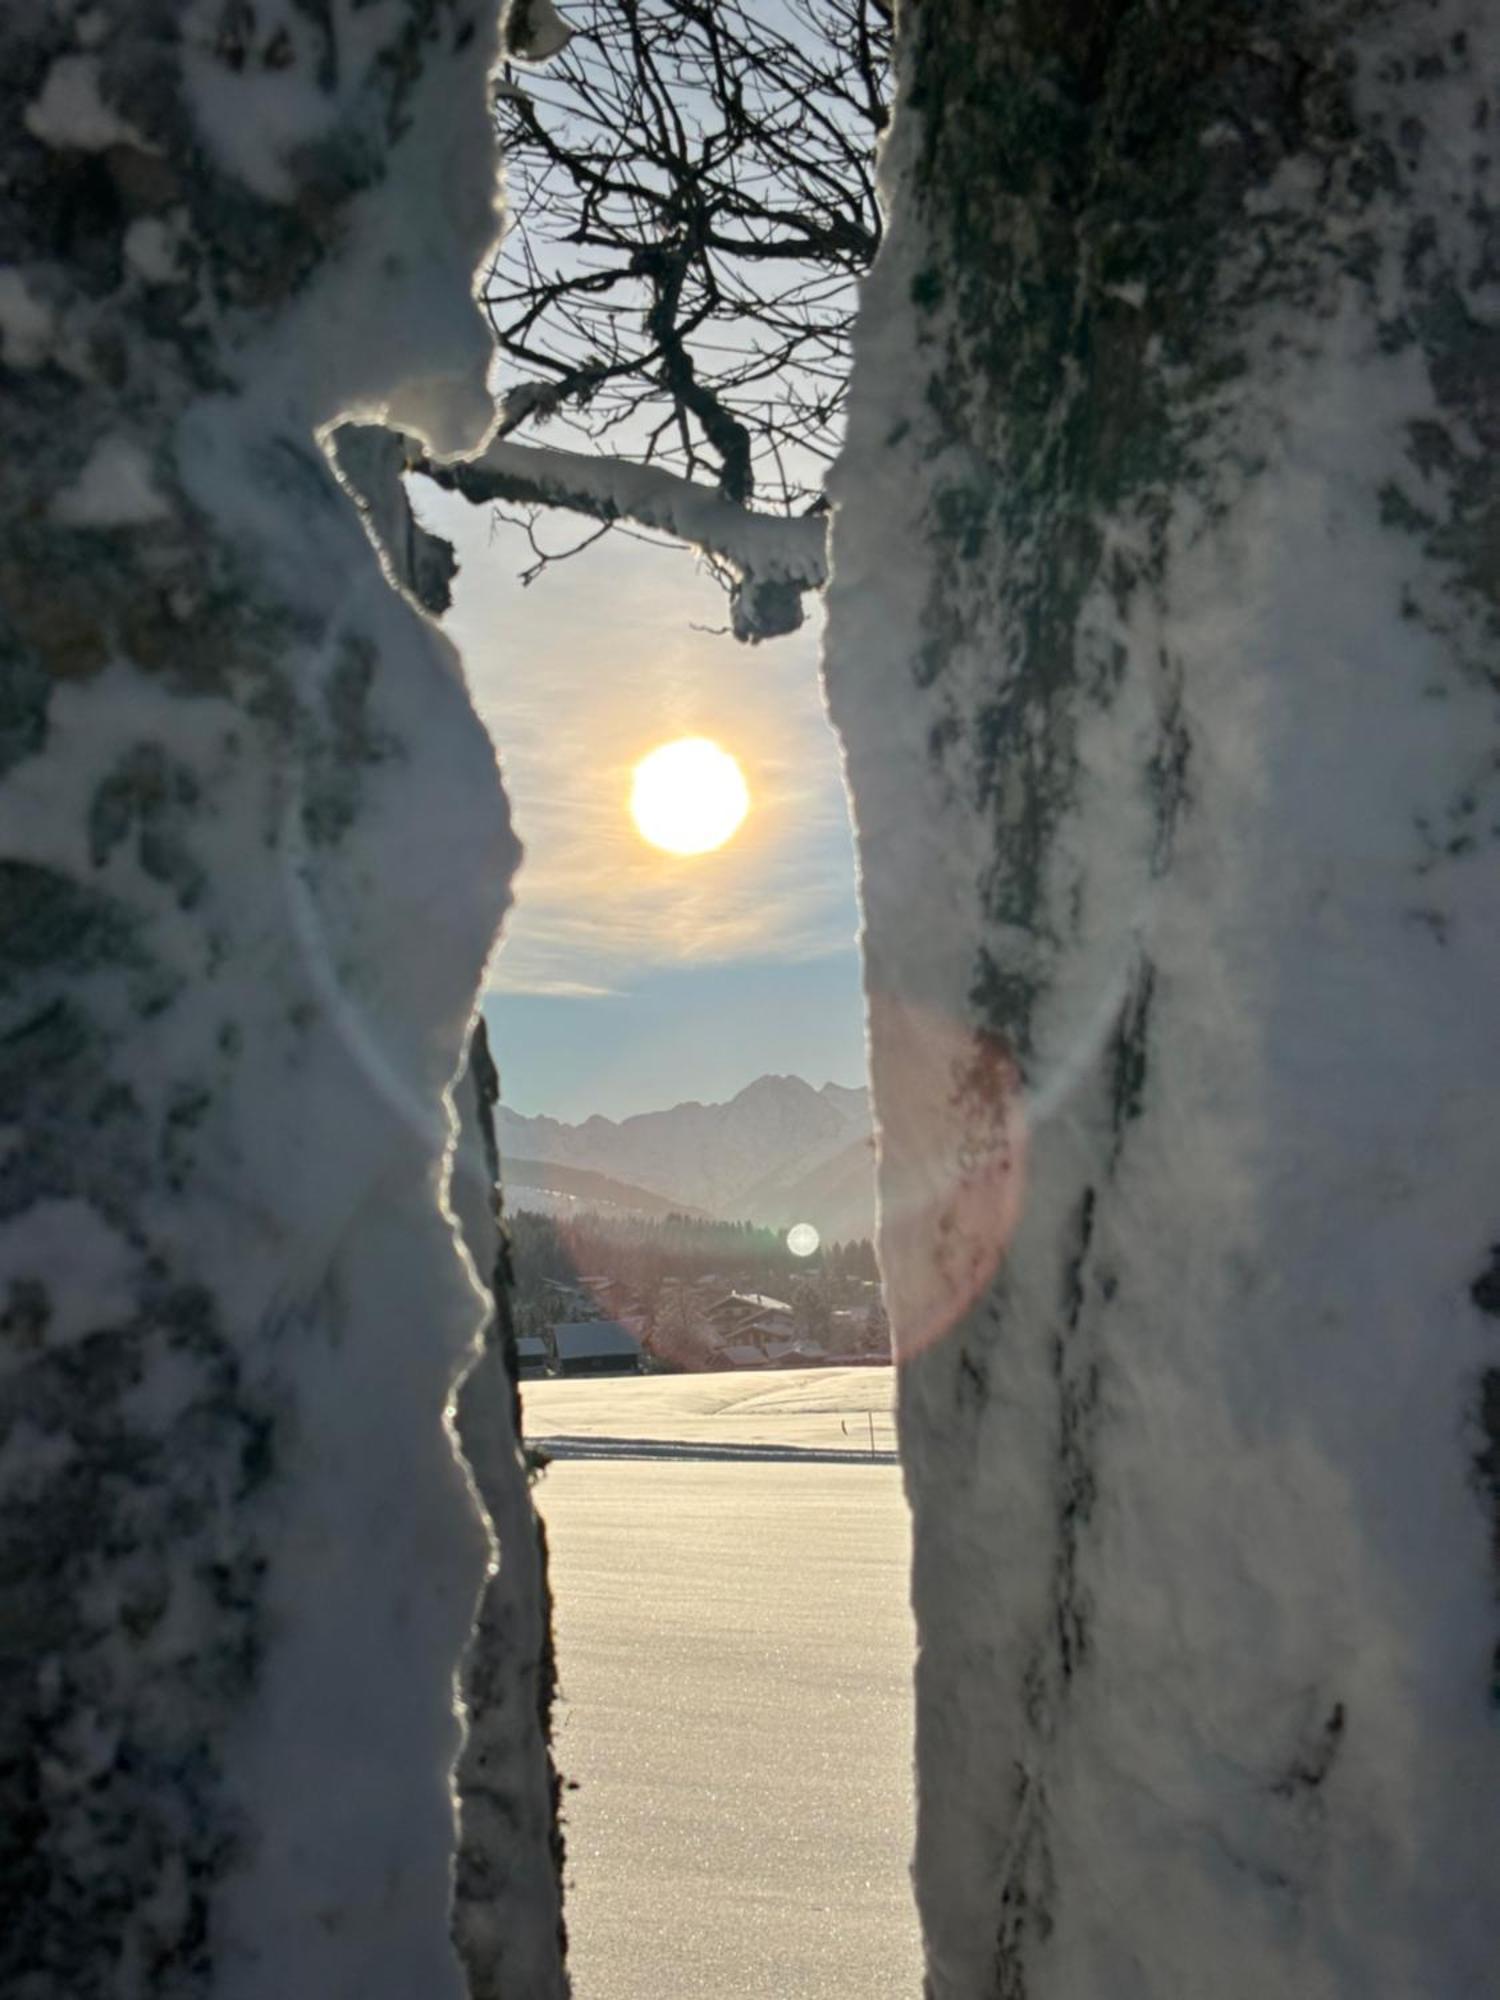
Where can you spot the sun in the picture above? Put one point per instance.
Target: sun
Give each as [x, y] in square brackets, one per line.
[688, 797]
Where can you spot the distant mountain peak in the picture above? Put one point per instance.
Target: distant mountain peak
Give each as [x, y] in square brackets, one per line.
[744, 1159]
[775, 1085]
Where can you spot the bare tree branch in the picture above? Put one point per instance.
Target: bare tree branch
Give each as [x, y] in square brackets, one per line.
[692, 183]
[772, 561]
[693, 200]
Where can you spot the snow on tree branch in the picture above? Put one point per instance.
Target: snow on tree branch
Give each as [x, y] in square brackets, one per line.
[774, 560]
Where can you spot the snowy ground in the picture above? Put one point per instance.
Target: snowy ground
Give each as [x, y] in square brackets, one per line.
[785, 1410]
[736, 1658]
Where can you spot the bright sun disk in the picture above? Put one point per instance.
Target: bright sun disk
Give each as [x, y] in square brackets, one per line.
[688, 797]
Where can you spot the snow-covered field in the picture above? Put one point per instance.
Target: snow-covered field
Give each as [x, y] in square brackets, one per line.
[793, 1409]
[736, 1653]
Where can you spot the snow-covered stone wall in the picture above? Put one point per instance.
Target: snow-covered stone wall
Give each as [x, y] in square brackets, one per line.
[253, 853]
[1162, 644]
[508, 1869]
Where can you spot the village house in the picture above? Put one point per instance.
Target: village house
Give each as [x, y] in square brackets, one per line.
[596, 1347]
[747, 1319]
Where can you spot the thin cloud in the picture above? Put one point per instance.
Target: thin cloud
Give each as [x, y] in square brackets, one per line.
[543, 988]
[577, 679]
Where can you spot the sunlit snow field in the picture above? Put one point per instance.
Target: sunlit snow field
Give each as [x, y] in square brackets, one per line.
[736, 1654]
[799, 1409]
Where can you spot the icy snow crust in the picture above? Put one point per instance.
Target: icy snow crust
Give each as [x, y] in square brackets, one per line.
[1161, 644]
[255, 854]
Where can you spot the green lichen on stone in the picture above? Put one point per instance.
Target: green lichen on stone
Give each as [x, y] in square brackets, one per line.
[344, 743]
[53, 924]
[149, 801]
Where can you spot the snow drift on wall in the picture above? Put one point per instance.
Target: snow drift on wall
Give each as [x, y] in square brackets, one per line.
[255, 852]
[1161, 643]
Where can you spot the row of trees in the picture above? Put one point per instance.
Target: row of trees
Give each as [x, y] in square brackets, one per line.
[641, 1253]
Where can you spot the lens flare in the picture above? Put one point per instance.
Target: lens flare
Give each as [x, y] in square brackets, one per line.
[953, 1165]
[688, 797]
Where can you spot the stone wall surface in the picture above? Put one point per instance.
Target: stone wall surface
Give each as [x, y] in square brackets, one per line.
[253, 853]
[1162, 642]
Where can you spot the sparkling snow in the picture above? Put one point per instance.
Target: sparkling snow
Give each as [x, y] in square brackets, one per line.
[736, 1654]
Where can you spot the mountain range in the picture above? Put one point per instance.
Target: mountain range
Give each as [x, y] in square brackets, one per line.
[778, 1152]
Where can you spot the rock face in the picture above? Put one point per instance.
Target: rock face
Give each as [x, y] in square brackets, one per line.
[240, 1557]
[1162, 646]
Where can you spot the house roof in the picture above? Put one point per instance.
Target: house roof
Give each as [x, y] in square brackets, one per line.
[777, 1350]
[752, 1302]
[591, 1339]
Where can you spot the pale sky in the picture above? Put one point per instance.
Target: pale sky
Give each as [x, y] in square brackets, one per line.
[630, 979]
